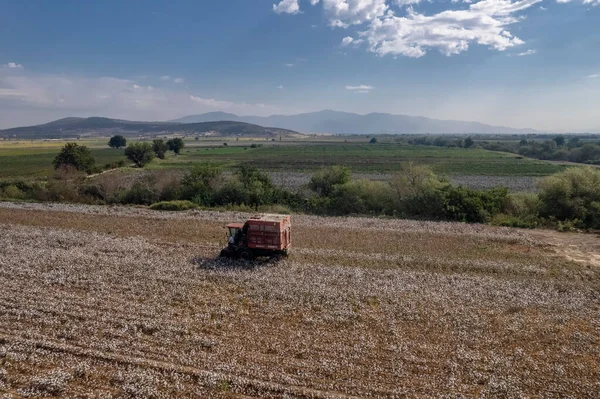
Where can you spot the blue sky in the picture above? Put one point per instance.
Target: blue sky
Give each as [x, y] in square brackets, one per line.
[526, 63]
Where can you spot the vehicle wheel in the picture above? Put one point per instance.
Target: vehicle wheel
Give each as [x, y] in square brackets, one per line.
[246, 255]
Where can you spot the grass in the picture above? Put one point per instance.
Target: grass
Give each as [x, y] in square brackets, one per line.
[33, 159]
[36, 162]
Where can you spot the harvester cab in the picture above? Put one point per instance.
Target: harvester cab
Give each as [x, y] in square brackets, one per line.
[235, 233]
[261, 235]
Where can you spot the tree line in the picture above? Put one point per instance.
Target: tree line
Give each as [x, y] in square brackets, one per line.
[559, 148]
[567, 200]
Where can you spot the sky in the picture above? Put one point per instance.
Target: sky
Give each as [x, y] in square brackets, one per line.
[523, 63]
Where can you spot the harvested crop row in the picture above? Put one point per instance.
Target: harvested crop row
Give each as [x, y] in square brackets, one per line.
[153, 318]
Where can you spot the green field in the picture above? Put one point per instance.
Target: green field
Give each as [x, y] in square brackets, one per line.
[33, 159]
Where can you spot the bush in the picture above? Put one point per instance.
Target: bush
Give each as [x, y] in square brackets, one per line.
[199, 184]
[361, 197]
[502, 219]
[173, 206]
[323, 181]
[12, 192]
[522, 205]
[139, 194]
[572, 195]
[140, 154]
[414, 179]
[75, 156]
[452, 203]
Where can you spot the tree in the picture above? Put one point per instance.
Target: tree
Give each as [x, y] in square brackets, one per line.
[373, 140]
[117, 142]
[574, 142]
[74, 155]
[140, 153]
[469, 143]
[559, 140]
[175, 145]
[324, 180]
[160, 148]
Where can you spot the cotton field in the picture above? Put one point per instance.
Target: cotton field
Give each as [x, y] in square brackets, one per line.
[114, 302]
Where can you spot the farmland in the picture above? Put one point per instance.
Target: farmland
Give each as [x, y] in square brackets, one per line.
[126, 302]
[32, 159]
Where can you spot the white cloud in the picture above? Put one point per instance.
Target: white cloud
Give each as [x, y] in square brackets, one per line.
[347, 40]
[409, 2]
[594, 76]
[289, 65]
[178, 80]
[14, 65]
[360, 89]
[165, 77]
[343, 13]
[287, 7]
[450, 31]
[590, 2]
[280, 87]
[528, 52]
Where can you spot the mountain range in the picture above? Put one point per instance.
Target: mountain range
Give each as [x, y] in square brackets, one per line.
[337, 122]
[96, 126]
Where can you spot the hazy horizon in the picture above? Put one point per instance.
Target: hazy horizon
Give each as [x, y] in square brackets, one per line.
[520, 64]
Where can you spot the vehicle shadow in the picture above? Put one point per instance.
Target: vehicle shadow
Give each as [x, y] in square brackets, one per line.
[219, 263]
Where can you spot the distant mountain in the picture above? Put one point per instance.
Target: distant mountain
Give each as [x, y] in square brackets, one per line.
[347, 123]
[96, 126]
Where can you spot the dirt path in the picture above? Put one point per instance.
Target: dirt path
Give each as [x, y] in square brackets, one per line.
[578, 247]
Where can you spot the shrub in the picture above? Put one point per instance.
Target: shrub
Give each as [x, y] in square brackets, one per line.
[173, 206]
[231, 192]
[76, 156]
[361, 197]
[199, 184]
[139, 194]
[323, 181]
[527, 222]
[414, 179]
[453, 203]
[572, 195]
[204, 173]
[140, 154]
[522, 205]
[12, 192]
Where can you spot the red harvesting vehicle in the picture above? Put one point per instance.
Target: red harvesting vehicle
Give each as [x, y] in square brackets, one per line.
[262, 235]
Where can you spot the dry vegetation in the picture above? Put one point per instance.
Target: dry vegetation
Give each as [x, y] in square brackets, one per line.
[110, 302]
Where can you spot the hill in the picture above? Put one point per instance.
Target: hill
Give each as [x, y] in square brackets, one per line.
[348, 123]
[96, 126]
